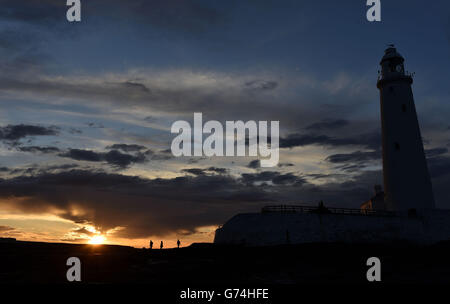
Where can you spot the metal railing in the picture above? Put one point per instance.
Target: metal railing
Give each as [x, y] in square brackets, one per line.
[325, 210]
[406, 74]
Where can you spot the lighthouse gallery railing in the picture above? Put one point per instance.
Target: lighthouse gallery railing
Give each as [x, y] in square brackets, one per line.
[324, 210]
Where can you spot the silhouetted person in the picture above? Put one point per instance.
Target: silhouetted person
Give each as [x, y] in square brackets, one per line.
[151, 244]
[412, 212]
[322, 208]
[161, 245]
[178, 243]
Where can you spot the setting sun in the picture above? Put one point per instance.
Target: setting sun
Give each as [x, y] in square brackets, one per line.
[97, 239]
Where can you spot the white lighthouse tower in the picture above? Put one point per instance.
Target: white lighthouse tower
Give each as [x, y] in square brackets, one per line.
[407, 182]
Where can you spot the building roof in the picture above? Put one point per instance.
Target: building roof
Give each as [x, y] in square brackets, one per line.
[391, 52]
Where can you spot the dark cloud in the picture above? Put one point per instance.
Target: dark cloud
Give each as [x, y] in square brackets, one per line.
[144, 207]
[150, 119]
[199, 171]
[262, 85]
[75, 131]
[59, 167]
[6, 229]
[436, 152]
[113, 157]
[351, 168]
[126, 147]
[299, 140]
[84, 155]
[36, 169]
[369, 140]
[4, 169]
[17, 132]
[35, 149]
[254, 164]
[194, 171]
[123, 160]
[328, 124]
[75, 239]
[95, 125]
[355, 161]
[324, 176]
[83, 230]
[361, 159]
[135, 85]
[272, 176]
[218, 170]
[160, 155]
[24, 171]
[354, 157]
[285, 165]
[288, 178]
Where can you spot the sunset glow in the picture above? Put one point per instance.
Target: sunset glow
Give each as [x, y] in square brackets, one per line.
[97, 240]
[86, 141]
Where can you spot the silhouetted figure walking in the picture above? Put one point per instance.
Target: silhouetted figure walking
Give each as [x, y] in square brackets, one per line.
[151, 244]
[161, 245]
[178, 243]
[322, 208]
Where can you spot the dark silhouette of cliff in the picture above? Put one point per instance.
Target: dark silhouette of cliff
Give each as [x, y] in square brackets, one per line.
[28, 262]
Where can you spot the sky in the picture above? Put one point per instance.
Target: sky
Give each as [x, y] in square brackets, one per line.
[87, 107]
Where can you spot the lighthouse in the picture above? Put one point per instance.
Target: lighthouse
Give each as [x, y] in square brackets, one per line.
[407, 182]
[407, 189]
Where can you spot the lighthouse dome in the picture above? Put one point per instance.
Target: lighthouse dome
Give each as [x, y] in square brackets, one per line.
[391, 53]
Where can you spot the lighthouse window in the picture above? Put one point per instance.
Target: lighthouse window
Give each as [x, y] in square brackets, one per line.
[397, 146]
[403, 107]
